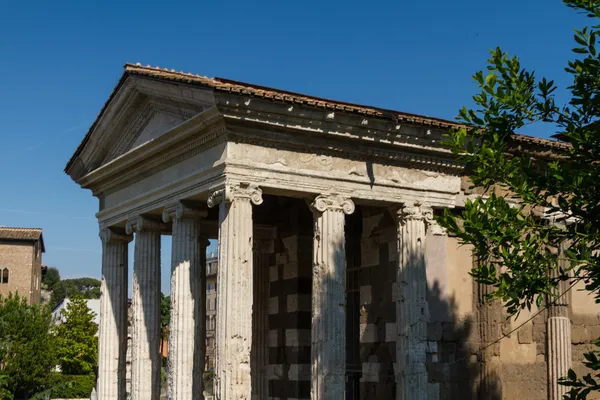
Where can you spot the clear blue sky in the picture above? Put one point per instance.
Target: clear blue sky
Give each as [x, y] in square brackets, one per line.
[60, 60]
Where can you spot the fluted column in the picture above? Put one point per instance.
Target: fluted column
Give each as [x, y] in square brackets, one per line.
[234, 294]
[328, 335]
[146, 358]
[263, 248]
[558, 335]
[186, 350]
[412, 312]
[112, 335]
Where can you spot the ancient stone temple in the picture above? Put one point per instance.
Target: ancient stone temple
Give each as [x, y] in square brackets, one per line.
[334, 280]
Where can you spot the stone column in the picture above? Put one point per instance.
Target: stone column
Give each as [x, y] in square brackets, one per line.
[412, 312]
[188, 310]
[146, 358]
[234, 293]
[558, 335]
[264, 246]
[112, 336]
[328, 337]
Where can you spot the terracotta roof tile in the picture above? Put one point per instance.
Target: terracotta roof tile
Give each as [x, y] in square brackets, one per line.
[227, 85]
[28, 234]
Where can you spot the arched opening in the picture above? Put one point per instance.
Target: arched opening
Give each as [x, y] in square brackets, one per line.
[5, 275]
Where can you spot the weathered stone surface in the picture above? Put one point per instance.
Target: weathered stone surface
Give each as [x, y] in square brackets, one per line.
[112, 332]
[187, 328]
[146, 358]
[412, 308]
[235, 297]
[328, 351]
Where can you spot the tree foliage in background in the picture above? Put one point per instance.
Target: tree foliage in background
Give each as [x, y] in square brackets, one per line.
[76, 344]
[50, 278]
[27, 353]
[564, 188]
[165, 314]
[88, 288]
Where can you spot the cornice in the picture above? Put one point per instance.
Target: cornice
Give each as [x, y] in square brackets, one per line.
[168, 149]
[359, 144]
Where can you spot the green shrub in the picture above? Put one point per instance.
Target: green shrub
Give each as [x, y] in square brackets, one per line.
[71, 386]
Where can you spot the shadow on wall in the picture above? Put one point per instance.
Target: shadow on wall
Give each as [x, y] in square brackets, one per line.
[456, 347]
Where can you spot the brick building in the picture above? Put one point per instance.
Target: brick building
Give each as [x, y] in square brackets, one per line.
[21, 262]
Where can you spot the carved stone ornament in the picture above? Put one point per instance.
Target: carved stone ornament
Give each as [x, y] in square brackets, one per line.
[241, 191]
[107, 235]
[333, 202]
[181, 210]
[416, 212]
[140, 224]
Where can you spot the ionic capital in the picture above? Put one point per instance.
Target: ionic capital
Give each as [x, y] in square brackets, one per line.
[182, 210]
[231, 192]
[415, 212]
[333, 202]
[139, 224]
[108, 235]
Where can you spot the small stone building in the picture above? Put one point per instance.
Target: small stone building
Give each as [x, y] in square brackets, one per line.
[334, 280]
[21, 262]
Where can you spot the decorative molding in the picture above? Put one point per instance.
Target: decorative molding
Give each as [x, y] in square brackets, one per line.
[333, 202]
[108, 235]
[141, 223]
[232, 192]
[182, 210]
[168, 159]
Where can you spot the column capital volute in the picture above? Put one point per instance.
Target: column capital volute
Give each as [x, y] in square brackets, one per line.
[109, 235]
[236, 191]
[141, 223]
[183, 210]
[414, 211]
[333, 202]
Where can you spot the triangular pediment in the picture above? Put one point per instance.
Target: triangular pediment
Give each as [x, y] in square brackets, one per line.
[149, 122]
[139, 112]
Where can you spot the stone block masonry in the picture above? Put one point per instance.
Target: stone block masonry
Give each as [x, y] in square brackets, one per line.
[290, 319]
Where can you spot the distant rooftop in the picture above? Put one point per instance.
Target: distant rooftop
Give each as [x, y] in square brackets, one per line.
[26, 234]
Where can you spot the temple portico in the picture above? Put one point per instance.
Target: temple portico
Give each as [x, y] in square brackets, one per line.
[334, 280]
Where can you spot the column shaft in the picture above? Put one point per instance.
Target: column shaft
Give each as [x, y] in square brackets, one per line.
[146, 324]
[558, 336]
[234, 294]
[112, 337]
[328, 335]
[186, 347]
[411, 307]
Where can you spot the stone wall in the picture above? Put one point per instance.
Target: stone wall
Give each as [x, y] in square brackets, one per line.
[22, 260]
[289, 320]
[377, 285]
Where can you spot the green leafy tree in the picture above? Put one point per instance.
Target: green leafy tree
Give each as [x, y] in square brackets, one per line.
[88, 288]
[510, 228]
[27, 353]
[51, 278]
[76, 344]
